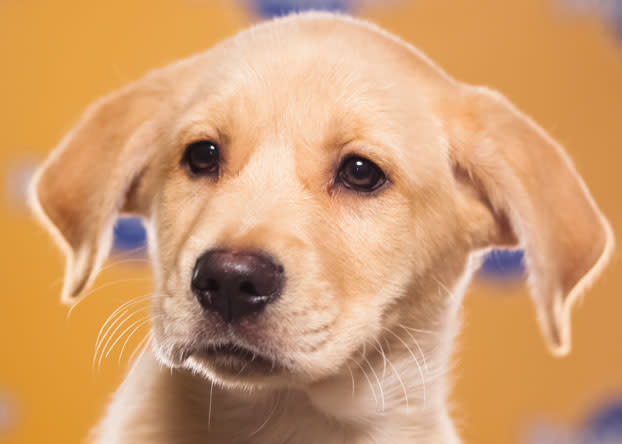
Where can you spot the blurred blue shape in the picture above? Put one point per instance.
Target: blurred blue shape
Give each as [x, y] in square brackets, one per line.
[129, 235]
[275, 8]
[618, 18]
[605, 424]
[609, 10]
[503, 264]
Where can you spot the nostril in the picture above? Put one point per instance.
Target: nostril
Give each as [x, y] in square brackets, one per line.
[248, 288]
[212, 285]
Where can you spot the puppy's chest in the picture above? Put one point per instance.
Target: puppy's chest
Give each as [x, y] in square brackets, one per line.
[157, 406]
[283, 418]
[283, 423]
[193, 418]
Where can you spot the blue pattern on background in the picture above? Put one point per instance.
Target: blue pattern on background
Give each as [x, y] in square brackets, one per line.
[275, 8]
[504, 264]
[609, 10]
[605, 424]
[129, 234]
[602, 426]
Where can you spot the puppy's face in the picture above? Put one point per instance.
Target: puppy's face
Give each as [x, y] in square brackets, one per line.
[312, 187]
[300, 202]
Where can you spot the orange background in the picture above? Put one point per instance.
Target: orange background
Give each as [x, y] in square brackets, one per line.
[56, 57]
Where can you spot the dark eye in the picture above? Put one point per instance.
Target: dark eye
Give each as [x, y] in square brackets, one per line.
[360, 174]
[202, 158]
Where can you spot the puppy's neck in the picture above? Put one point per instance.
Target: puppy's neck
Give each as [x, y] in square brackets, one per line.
[397, 391]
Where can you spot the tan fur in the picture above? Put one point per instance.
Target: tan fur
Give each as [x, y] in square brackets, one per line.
[362, 333]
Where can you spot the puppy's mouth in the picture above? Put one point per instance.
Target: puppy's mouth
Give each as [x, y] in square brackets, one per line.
[231, 358]
[231, 350]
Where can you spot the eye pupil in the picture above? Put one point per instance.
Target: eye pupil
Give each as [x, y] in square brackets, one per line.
[202, 158]
[360, 174]
[359, 169]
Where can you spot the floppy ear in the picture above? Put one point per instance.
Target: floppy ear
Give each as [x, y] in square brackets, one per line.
[534, 199]
[95, 173]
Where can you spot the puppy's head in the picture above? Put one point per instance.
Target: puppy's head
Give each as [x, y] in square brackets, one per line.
[311, 186]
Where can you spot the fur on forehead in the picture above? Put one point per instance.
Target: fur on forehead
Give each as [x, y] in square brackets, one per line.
[321, 99]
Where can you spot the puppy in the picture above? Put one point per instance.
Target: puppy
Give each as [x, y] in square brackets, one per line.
[317, 195]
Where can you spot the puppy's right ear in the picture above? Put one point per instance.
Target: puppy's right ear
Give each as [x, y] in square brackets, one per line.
[95, 173]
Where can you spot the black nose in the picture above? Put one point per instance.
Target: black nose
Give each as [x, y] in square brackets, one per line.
[236, 283]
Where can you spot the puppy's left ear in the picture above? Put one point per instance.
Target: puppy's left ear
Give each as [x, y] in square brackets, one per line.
[523, 191]
[93, 174]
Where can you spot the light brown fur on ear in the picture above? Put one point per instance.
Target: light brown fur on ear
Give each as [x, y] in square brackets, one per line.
[89, 177]
[536, 197]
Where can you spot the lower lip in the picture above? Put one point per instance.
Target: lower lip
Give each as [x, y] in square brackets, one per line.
[232, 356]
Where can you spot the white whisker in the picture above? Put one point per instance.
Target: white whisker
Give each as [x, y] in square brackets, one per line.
[102, 336]
[276, 403]
[136, 324]
[352, 377]
[399, 378]
[110, 337]
[451, 295]
[127, 340]
[119, 281]
[141, 347]
[416, 362]
[425, 364]
[371, 386]
[377, 381]
[209, 414]
[418, 330]
[113, 264]
[125, 305]
[384, 357]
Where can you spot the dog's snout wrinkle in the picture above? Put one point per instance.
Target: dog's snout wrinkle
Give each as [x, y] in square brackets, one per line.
[234, 283]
